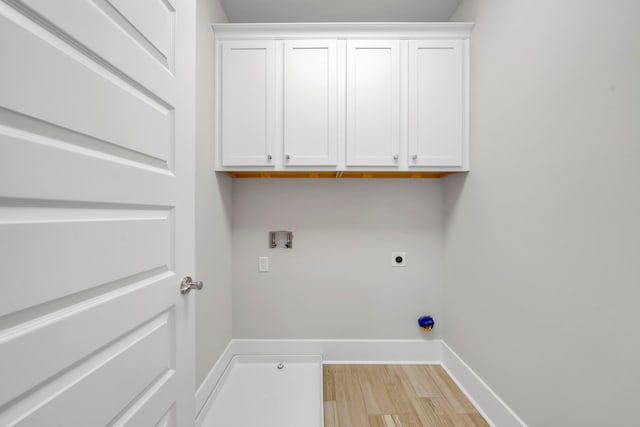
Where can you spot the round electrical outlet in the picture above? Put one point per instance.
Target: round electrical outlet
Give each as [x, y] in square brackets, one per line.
[398, 259]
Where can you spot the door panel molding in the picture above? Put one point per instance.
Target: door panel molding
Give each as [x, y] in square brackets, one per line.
[32, 21]
[97, 147]
[85, 378]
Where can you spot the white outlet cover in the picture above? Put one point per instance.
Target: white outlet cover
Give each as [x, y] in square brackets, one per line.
[396, 254]
[263, 264]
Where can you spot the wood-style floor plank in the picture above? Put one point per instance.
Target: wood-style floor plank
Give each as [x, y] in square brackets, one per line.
[374, 384]
[422, 383]
[450, 390]
[384, 421]
[395, 396]
[330, 414]
[328, 385]
[430, 412]
[399, 389]
[350, 406]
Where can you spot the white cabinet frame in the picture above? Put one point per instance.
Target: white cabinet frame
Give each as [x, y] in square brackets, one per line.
[437, 100]
[373, 103]
[248, 103]
[425, 124]
[310, 104]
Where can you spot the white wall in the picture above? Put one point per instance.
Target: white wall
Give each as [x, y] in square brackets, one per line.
[337, 281]
[213, 210]
[542, 237]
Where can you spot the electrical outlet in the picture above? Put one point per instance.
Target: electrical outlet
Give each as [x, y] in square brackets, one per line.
[263, 264]
[398, 259]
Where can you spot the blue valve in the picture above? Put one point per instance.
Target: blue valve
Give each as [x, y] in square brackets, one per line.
[426, 323]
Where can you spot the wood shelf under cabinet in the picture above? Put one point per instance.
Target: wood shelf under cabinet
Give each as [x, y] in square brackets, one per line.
[338, 174]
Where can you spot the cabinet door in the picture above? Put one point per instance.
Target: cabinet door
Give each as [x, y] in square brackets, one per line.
[248, 103]
[310, 102]
[436, 103]
[373, 103]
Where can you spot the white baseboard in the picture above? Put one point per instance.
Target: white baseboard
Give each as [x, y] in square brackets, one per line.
[488, 403]
[209, 384]
[349, 351]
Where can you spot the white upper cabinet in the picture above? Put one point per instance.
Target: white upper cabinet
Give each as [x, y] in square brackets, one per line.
[329, 98]
[437, 101]
[373, 103]
[310, 106]
[248, 106]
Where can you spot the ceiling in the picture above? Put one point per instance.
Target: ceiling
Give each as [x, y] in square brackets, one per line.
[339, 10]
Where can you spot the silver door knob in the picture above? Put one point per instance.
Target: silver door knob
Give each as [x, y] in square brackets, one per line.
[188, 284]
[414, 157]
[269, 157]
[287, 156]
[396, 157]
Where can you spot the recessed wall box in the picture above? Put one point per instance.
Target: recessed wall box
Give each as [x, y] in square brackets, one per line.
[281, 239]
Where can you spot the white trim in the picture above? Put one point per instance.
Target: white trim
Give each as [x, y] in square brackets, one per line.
[344, 30]
[349, 351]
[488, 403]
[213, 377]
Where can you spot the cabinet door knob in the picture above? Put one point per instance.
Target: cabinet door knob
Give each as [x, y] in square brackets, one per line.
[414, 157]
[396, 157]
[287, 156]
[269, 157]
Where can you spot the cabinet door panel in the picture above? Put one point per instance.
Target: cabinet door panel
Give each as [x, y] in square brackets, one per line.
[436, 103]
[310, 102]
[248, 103]
[373, 103]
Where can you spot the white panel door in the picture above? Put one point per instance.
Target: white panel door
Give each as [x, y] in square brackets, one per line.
[248, 103]
[310, 103]
[436, 103]
[373, 103]
[96, 212]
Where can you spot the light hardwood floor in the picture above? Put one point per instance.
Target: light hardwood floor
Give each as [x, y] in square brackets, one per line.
[394, 396]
